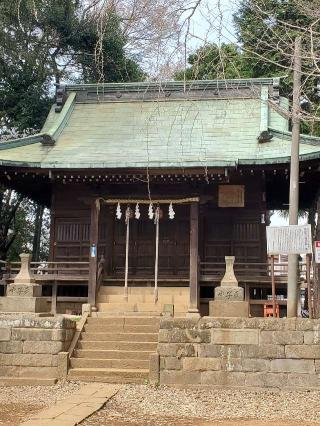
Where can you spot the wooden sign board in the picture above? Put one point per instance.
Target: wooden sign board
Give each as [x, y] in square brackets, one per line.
[292, 239]
[231, 196]
[317, 251]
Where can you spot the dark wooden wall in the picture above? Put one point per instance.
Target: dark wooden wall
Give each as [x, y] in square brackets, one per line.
[222, 231]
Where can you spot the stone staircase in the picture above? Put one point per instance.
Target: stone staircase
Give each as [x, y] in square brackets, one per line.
[141, 300]
[115, 349]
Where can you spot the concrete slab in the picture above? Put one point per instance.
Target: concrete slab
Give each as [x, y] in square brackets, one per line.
[76, 408]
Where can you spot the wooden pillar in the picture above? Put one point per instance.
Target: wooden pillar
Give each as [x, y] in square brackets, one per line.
[194, 243]
[94, 232]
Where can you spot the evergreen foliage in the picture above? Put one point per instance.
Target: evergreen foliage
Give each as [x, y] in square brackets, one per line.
[43, 42]
[46, 41]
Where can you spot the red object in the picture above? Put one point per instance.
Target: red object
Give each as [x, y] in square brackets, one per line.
[268, 310]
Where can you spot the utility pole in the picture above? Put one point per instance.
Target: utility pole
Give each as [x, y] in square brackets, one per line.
[292, 298]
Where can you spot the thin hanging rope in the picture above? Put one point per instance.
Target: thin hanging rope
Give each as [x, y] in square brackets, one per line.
[127, 254]
[144, 201]
[156, 263]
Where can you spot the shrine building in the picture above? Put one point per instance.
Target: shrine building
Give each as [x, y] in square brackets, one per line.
[150, 185]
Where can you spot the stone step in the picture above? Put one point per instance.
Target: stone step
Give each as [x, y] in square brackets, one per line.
[138, 298]
[108, 363]
[149, 308]
[113, 354]
[177, 291]
[124, 321]
[115, 373]
[117, 345]
[130, 307]
[106, 379]
[123, 337]
[127, 314]
[100, 328]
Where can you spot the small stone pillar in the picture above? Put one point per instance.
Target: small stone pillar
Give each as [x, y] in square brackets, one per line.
[24, 295]
[229, 297]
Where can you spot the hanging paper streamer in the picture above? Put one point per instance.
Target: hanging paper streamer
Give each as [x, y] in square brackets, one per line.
[150, 211]
[137, 213]
[128, 214]
[118, 212]
[171, 211]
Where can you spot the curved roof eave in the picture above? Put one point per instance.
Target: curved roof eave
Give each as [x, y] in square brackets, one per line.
[51, 135]
[279, 160]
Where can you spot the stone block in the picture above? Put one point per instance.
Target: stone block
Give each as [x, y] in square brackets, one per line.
[201, 364]
[32, 320]
[23, 304]
[180, 378]
[229, 293]
[33, 347]
[292, 366]
[312, 337]
[275, 324]
[255, 365]
[307, 381]
[183, 323]
[176, 350]
[231, 364]
[9, 371]
[216, 351]
[24, 290]
[62, 365]
[303, 351]
[10, 347]
[281, 337]
[38, 334]
[210, 322]
[317, 365]
[306, 324]
[220, 308]
[5, 334]
[223, 378]
[266, 380]
[226, 336]
[36, 372]
[262, 351]
[172, 363]
[154, 368]
[27, 360]
[184, 336]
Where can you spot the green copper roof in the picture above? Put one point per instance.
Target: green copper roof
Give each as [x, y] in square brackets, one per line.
[219, 128]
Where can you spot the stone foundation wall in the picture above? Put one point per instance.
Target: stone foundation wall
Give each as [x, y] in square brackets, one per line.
[30, 345]
[253, 352]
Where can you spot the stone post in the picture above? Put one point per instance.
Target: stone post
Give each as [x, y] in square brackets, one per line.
[229, 297]
[24, 295]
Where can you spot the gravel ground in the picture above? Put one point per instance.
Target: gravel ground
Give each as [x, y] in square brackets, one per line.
[18, 403]
[145, 405]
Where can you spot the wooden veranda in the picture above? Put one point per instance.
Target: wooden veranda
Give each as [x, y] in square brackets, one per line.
[58, 278]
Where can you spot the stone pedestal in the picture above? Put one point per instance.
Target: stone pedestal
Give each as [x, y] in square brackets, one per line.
[24, 295]
[228, 297]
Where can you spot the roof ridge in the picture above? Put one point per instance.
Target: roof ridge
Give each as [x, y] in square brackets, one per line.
[50, 136]
[176, 85]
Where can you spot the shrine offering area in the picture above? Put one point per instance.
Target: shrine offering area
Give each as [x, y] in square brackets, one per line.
[254, 352]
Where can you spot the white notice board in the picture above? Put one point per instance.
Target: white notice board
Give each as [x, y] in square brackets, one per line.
[292, 239]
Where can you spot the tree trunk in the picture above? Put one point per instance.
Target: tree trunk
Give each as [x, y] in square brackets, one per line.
[8, 210]
[37, 233]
